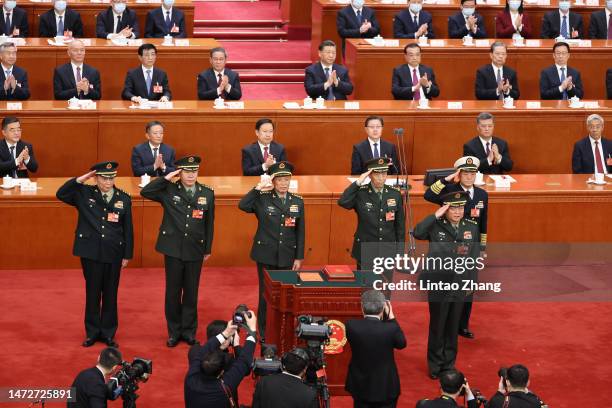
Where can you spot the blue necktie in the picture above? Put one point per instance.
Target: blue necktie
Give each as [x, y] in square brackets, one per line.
[330, 90]
[376, 153]
[60, 26]
[7, 24]
[359, 17]
[148, 80]
[14, 172]
[168, 22]
[563, 79]
[416, 22]
[564, 31]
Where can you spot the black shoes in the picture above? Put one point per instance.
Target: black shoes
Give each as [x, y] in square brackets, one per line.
[189, 340]
[172, 342]
[110, 342]
[433, 376]
[466, 333]
[88, 342]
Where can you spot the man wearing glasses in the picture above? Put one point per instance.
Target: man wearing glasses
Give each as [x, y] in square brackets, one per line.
[373, 148]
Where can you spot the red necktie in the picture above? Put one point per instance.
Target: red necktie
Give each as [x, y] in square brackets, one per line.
[78, 78]
[265, 153]
[598, 163]
[610, 29]
[219, 84]
[415, 81]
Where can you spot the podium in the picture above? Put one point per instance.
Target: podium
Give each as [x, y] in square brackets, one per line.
[335, 301]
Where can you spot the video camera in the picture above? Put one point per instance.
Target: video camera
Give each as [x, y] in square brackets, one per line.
[269, 363]
[124, 382]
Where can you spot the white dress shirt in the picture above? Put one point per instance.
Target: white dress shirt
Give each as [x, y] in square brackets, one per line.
[569, 27]
[601, 155]
[424, 91]
[57, 16]
[412, 16]
[228, 87]
[484, 146]
[372, 141]
[8, 71]
[261, 147]
[74, 70]
[559, 73]
[15, 153]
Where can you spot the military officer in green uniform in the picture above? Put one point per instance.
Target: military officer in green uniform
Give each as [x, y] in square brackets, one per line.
[185, 238]
[104, 240]
[279, 241]
[380, 216]
[451, 236]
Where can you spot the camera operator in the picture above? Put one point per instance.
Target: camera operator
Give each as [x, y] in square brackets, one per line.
[90, 384]
[372, 377]
[512, 391]
[208, 384]
[452, 385]
[287, 389]
[230, 345]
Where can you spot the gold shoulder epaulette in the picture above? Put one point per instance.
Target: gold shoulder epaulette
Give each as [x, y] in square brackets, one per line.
[121, 191]
[297, 195]
[264, 192]
[208, 187]
[471, 220]
[437, 187]
[394, 188]
[365, 186]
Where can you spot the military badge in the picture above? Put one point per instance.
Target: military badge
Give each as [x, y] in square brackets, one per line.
[480, 204]
[390, 216]
[369, 205]
[294, 208]
[199, 214]
[281, 166]
[109, 166]
[391, 202]
[289, 222]
[112, 217]
[118, 204]
[202, 200]
[469, 160]
[467, 235]
[381, 161]
[475, 213]
[176, 199]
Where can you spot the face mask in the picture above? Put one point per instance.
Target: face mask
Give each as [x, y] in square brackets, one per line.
[514, 4]
[564, 5]
[468, 11]
[168, 3]
[10, 4]
[358, 4]
[416, 7]
[119, 8]
[60, 5]
[609, 5]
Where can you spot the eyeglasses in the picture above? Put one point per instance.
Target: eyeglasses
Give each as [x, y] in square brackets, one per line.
[374, 127]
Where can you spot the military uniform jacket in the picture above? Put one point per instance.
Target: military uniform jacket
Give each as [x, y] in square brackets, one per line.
[186, 231]
[377, 220]
[104, 230]
[476, 208]
[279, 239]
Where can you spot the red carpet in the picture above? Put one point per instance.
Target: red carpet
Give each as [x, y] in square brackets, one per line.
[565, 345]
[237, 10]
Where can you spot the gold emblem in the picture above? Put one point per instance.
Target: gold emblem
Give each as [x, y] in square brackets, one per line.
[458, 195]
[281, 166]
[337, 339]
[191, 159]
[109, 166]
[469, 160]
[381, 161]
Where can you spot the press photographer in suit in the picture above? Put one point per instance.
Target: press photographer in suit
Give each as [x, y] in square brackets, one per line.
[512, 390]
[452, 385]
[90, 385]
[372, 378]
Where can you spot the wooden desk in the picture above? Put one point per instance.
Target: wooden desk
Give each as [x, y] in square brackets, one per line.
[538, 208]
[371, 68]
[89, 11]
[182, 64]
[317, 142]
[324, 18]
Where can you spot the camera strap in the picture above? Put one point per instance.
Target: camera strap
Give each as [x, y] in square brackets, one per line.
[228, 394]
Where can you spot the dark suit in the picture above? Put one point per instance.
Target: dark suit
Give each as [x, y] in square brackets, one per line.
[90, 389]
[445, 402]
[284, 391]
[348, 24]
[516, 399]
[486, 83]
[64, 83]
[551, 24]
[252, 159]
[457, 28]
[362, 152]
[19, 20]
[598, 27]
[72, 22]
[7, 162]
[185, 237]
[155, 25]
[135, 85]
[372, 374]
[105, 22]
[583, 160]
[207, 85]
[401, 84]
[550, 82]
[204, 391]
[142, 160]
[315, 78]
[505, 29]
[22, 90]
[404, 27]
[102, 242]
[609, 83]
[475, 148]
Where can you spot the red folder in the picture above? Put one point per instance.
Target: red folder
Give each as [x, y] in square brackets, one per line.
[338, 273]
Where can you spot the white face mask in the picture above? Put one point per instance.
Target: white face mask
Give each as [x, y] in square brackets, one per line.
[564, 5]
[514, 4]
[10, 4]
[119, 8]
[416, 7]
[609, 5]
[358, 4]
[468, 11]
[168, 3]
[60, 5]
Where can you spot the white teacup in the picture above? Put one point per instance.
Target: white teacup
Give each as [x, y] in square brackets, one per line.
[145, 179]
[424, 103]
[219, 103]
[7, 181]
[518, 40]
[479, 178]
[423, 40]
[59, 39]
[574, 101]
[599, 178]
[468, 40]
[308, 102]
[320, 102]
[167, 40]
[508, 102]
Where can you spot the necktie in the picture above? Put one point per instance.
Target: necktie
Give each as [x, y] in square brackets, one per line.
[488, 148]
[265, 155]
[8, 24]
[219, 80]
[118, 24]
[330, 90]
[359, 17]
[105, 197]
[563, 79]
[471, 193]
[155, 149]
[190, 193]
[564, 32]
[415, 80]
[498, 77]
[416, 22]
[7, 73]
[14, 158]
[610, 28]
[148, 79]
[78, 74]
[60, 26]
[376, 153]
[598, 162]
[168, 22]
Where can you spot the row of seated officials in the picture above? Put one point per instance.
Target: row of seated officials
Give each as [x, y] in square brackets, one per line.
[591, 154]
[325, 78]
[116, 19]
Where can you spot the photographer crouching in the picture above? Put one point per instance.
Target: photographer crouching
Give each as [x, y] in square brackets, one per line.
[512, 390]
[90, 385]
[287, 389]
[452, 385]
[208, 383]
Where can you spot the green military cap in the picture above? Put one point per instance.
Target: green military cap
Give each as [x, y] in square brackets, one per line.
[189, 163]
[105, 169]
[282, 168]
[467, 163]
[379, 165]
[455, 199]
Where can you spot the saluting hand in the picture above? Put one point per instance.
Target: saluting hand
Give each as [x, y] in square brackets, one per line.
[170, 175]
[453, 177]
[442, 210]
[86, 176]
[362, 178]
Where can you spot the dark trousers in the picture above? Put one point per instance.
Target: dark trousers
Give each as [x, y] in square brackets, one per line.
[262, 306]
[366, 404]
[464, 322]
[182, 284]
[443, 332]
[101, 285]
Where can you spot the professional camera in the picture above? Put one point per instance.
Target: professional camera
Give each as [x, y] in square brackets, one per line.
[503, 373]
[480, 399]
[124, 382]
[240, 314]
[316, 333]
[269, 363]
[313, 328]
